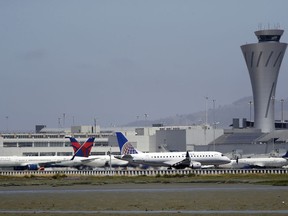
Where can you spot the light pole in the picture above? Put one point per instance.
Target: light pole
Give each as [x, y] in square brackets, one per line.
[206, 111]
[59, 122]
[206, 120]
[250, 106]
[95, 125]
[7, 123]
[110, 159]
[146, 116]
[64, 115]
[214, 124]
[282, 115]
[110, 164]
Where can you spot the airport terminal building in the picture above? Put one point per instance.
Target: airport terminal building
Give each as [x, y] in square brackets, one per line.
[52, 142]
[238, 140]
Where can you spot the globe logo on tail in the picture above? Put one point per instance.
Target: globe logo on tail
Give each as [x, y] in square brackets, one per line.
[128, 149]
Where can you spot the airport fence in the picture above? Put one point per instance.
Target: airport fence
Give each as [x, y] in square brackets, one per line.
[144, 172]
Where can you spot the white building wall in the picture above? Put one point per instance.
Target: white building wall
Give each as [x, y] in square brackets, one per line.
[147, 139]
[199, 135]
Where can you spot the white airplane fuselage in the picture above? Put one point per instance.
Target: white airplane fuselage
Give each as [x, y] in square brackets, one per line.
[169, 158]
[14, 161]
[65, 161]
[271, 162]
[103, 161]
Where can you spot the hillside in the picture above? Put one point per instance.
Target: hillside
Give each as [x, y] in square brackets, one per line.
[223, 115]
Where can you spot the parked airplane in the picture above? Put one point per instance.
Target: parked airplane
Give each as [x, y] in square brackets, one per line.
[84, 159]
[40, 162]
[260, 162]
[177, 160]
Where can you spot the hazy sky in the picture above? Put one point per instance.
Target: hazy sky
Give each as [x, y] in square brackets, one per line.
[116, 60]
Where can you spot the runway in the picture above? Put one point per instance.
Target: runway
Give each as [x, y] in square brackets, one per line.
[143, 199]
[164, 212]
[142, 188]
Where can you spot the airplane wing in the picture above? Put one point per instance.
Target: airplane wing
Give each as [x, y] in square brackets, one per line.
[126, 157]
[37, 164]
[257, 164]
[88, 160]
[51, 163]
[181, 164]
[173, 163]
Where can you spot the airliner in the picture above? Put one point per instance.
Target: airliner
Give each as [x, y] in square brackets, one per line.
[80, 159]
[177, 160]
[40, 162]
[260, 162]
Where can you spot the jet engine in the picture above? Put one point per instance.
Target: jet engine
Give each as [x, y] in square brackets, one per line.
[27, 167]
[195, 165]
[33, 167]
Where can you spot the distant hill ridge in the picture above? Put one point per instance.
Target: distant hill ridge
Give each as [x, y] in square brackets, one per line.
[223, 115]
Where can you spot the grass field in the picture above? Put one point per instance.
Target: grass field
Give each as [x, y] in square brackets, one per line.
[68, 194]
[62, 180]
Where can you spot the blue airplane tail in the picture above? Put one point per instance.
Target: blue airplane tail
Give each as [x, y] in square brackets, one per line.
[83, 150]
[124, 145]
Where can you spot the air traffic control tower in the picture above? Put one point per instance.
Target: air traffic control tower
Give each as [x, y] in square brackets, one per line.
[263, 60]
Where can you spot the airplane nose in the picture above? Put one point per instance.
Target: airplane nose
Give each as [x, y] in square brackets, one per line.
[227, 160]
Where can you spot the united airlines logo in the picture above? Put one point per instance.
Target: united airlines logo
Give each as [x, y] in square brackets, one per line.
[128, 149]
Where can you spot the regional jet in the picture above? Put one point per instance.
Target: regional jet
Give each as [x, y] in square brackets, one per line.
[258, 162]
[177, 160]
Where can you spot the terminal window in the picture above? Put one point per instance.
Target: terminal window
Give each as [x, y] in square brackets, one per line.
[25, 144]
[9, 144]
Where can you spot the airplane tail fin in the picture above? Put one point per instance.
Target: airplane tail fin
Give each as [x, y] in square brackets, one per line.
[188, 156]
[124, 145]
[83, 150]
[286, 155]
[74, 143]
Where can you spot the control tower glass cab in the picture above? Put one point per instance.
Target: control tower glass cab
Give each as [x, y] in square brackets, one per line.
[263, 60]
[269, 35]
